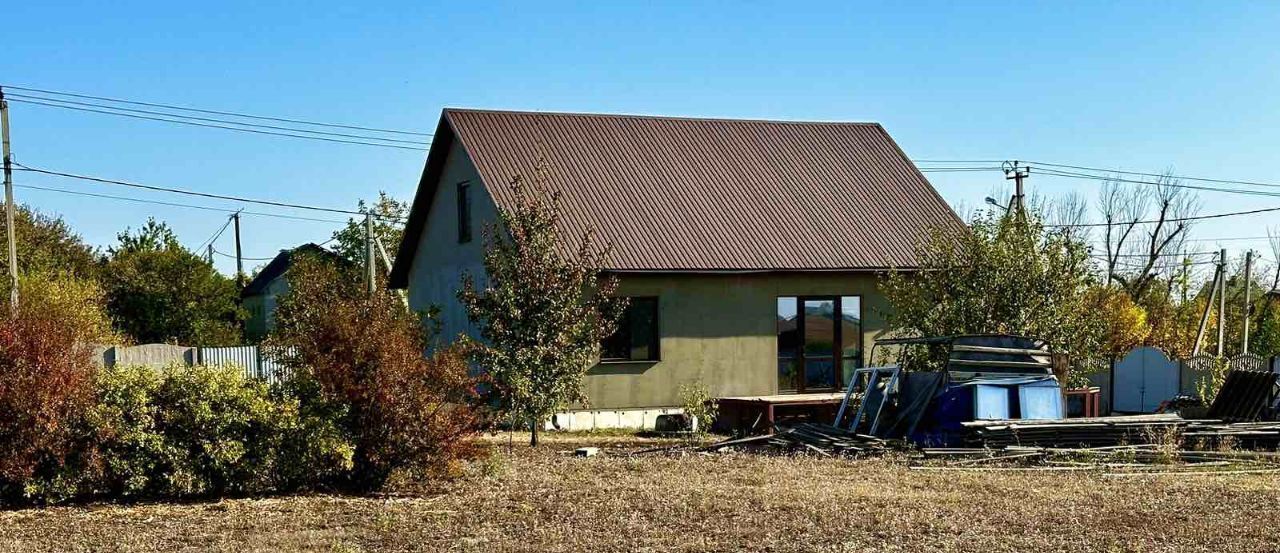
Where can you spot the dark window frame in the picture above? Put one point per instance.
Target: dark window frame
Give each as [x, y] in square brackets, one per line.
[798, 385]
[655, 339]
[464, 211]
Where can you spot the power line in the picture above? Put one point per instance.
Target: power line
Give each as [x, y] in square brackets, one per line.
[215, 250]
[1058, 173]
[214, 120]
[224, 127]
[215, 236]
[959, 160]
[955, 169]
[216, 112]
[175, 204]
[22, 167]
[1169, 220]
[1157, 175]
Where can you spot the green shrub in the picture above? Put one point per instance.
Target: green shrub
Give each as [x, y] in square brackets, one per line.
[183, 432]
[700, 405]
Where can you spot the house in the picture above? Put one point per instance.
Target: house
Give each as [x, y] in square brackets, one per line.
[751, 250]
[259, 296]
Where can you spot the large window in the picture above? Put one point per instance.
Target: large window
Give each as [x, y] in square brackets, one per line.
[464, 212]
[637, 336]
[819, 341]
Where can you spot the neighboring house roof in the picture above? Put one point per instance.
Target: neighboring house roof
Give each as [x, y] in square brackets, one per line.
[678, 194]
[278, 266]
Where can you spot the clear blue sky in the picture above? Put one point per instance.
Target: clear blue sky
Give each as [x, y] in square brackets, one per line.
[1137, 85]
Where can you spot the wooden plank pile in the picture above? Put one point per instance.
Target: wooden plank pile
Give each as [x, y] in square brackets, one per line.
[1083, 432]
[1246, 435]
[1160, 457]
[822, 439]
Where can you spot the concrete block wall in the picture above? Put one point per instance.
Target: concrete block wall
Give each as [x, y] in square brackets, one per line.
[150, 355]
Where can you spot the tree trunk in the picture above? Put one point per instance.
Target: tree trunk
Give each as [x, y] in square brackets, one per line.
[533, 433]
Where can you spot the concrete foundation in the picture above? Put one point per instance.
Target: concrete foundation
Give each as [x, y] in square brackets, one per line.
[630, 419]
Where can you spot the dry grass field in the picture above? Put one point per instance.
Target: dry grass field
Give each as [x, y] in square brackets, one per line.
[547, 500]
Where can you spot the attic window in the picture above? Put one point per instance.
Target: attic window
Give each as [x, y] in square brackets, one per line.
[464, 212]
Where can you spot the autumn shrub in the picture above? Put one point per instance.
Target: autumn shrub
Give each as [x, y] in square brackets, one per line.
[183, 432]
[46, 374]
[365, 352]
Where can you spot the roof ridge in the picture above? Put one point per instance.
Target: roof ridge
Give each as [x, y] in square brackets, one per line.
[658, 117]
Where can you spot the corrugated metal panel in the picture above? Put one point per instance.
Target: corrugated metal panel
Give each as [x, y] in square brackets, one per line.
[245, 357]
[256, 364]
[676, 194]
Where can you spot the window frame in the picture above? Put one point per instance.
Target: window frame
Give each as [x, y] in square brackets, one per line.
[463, 192]
[798, 385]
[656, 354]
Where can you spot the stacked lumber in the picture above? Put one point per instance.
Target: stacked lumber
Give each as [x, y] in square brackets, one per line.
[1127, 457]
[1245, 435]
[1083, 432]
[822, 439]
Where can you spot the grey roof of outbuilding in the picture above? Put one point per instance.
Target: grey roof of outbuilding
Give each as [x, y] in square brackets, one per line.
[701, 195]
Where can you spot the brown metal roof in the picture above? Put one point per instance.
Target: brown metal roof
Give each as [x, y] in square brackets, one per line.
[677, 194]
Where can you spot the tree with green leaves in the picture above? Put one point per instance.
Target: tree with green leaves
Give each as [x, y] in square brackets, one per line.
[46, 245]
[388, 212]
[1004, 274]
[542, 309]
[159, 291]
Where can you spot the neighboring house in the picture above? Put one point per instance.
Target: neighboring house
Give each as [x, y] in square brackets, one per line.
[259, 296]
[751, 250]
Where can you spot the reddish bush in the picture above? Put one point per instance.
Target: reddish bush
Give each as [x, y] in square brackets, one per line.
[367, 352]
[46, 375]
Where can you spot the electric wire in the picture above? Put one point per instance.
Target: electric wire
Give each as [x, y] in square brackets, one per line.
[175, 204]
[216, 112]
[215, 250]
[224, 127]
[22, 167]
[213, 120]
[1157, 175]
[215, 236]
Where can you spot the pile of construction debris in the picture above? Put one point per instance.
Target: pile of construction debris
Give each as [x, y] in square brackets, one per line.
[821, 439]
[1082, 432]
[1212, 434]
[1123, 460]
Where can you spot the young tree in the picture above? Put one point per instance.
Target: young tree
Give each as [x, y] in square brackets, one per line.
[1004, 275]
[158, 291]
[388, 212]
[543, 307]
[365, 352]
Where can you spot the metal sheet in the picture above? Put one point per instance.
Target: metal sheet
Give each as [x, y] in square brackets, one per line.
[678, 194]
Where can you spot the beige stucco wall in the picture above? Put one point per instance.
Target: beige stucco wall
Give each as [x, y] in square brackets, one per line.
[720, 330]
[436, 275]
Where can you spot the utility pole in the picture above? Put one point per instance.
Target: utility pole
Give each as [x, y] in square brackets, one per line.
[368, 252]
[209, 254]
[8, 204]
[239, 258]
[1204, 317]
[1017, 172]
[1248, 266]
[1222, 301]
